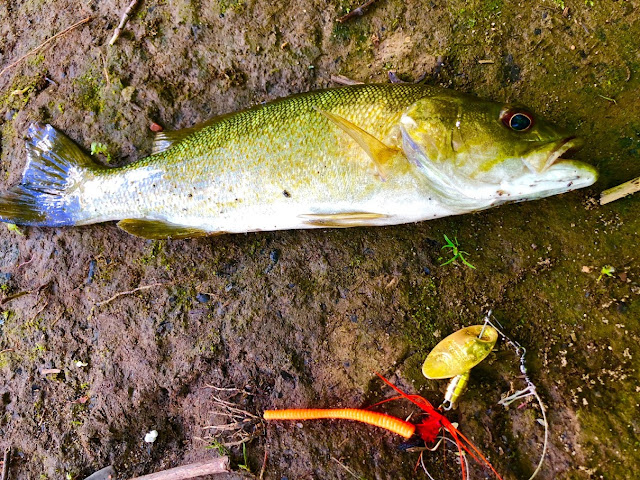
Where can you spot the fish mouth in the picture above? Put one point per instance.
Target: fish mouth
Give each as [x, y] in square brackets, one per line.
[560, 148]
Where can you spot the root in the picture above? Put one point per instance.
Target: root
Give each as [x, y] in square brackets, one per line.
[240, 426]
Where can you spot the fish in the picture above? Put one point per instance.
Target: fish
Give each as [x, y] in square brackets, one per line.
[353, 156]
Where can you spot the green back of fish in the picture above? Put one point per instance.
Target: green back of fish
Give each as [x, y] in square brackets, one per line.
[287, 147]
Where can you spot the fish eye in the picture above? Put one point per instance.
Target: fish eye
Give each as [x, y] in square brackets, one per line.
[519, 121]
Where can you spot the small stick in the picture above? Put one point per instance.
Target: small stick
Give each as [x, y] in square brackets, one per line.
[347, 469]
[43, 44]
[356, 12]
[217, 465]
[342, 80]
[128, 292]
[5, 464]
[264, 464]
[123, 21]
[620, 191]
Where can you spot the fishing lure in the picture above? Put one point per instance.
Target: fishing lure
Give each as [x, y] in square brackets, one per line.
[456, 355]
[428, 430]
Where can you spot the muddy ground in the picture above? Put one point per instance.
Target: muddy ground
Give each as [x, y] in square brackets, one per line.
[304, 318]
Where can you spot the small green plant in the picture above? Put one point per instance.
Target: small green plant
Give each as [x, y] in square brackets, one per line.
[456, 253]
[607, 270]
[244, 466]
[220, 448]
[100, 148]
[14, 228]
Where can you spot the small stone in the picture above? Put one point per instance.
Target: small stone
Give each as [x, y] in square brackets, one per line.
[203, 298]
[127, 93]
[151, 436]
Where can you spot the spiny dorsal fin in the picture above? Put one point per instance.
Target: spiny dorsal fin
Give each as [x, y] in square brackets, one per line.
[166, 139]
[343, 219]
[159, 230]
[380, 153]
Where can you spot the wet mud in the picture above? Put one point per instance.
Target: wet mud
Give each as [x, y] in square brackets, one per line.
[140, 335]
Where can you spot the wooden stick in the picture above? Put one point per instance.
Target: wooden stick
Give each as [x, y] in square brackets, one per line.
[5, 464]
[123, 21]
[217, 465]
[356, 12]
[43, 44]
[128, 292]
[620, 191]
[342, 80]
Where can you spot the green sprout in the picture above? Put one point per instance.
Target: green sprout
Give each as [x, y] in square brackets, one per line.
[14, 228]
[455, 252]
[219, 447]
[100, 148]
[245, 465]
[607, 270]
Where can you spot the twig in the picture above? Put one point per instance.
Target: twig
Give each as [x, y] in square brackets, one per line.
[5, 464]
[347, 469]
[26, 263]
[264, 464]
[123, 21]
[356, 12]
[39, 311]
[23, 293]
[342, 80]
[43, 44]
[128, 292]
[620, 191]
[210, 467]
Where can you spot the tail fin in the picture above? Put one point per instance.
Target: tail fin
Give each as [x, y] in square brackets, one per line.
[54, 165]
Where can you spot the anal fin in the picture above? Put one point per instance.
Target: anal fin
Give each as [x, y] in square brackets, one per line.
[159, 230]
[342, 220]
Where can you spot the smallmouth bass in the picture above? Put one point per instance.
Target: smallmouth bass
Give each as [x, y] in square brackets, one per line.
[362, 155]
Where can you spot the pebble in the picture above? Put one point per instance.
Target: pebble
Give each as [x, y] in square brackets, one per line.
[203, 298]
[151, 436]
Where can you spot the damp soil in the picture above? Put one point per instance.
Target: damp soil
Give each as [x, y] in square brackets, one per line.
[305, 318]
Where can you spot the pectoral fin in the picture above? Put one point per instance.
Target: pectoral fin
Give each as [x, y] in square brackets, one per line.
[380, 153]
[158, 230]
[343, 220]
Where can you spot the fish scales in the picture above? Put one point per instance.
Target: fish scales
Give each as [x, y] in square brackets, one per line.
[241, 165]
[351, 156]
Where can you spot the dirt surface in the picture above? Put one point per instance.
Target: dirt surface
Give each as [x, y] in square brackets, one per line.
[304, 318]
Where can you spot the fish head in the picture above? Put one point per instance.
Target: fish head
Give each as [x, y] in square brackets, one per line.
[483, 153]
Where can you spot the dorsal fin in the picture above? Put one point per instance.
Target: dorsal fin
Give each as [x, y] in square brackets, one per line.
[380, 153]
[166, 139]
